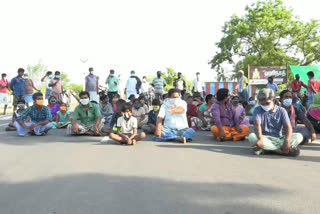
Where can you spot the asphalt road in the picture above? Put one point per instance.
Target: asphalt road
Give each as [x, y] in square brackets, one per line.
[59, 174]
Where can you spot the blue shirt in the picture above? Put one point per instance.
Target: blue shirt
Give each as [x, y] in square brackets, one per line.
[271, 122]
[17, 85]
[273, 86]
[35, 115]
[152, 118]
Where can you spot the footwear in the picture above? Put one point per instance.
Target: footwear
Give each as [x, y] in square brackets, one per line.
[182, 140]
[189, 140]
[11, 129]
[294, 152]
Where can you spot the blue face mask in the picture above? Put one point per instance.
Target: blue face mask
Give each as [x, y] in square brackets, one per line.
[252, 102]
[287, 102]
[57, 76]
[50, 76]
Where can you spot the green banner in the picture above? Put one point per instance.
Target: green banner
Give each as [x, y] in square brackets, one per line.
[303, 70]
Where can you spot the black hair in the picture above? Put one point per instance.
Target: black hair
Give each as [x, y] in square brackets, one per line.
[3, 74]
[52, 97]
[21, 102]
[144, 77]
[36, 95]
[63, 104]
[251, 98]
[222, 94]
[116, 96]
[164, 96]
[179, 73]
[103, 97]
[135, 100]
[208, 97]
[49, 72]
[93, 101]
[156, 102]
[111, 71]
[283, 92]
[126, 107]
[234, 97]
[20, 70]
[57, 72]
[120, 103]
[172, 91]
[84, 93]
[142, 97]
[132, 96]
[90, 69]
[310, 73]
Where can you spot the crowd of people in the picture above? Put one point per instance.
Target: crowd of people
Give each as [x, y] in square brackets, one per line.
[173, 116]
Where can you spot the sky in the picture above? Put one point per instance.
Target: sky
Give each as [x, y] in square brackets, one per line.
[124, 35]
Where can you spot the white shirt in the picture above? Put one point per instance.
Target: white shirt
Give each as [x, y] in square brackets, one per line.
[145, 87]
[198, 85]
[173, 121]
[131, 85]
[127, 126]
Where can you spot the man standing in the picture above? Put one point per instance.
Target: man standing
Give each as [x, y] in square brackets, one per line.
[4, 86]
[180, 84]
[173, 116]
[313, 87]
[92, 85]
[272, 85]
[198, 86]
[296, 114]
[242, 86]
[158, 83]
[269, 120]
[145, 89]
[29, 86]
[131, 86]
[40, 116]
[297, 84]
[17, 85]
[57, 88]
[89, 115]
[113, 83]
[47, 78]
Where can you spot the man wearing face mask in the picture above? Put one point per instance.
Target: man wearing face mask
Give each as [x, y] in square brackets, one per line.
[17, 85]
[173, 116]
[47, 78]
[225, 124]
[145, 88]
[296, 114]
[198, 86]
[92, 85]
[57, 87]
[40, 116]
[4, 86]
[91, 122]
[180, 84]
[131, 86]
[269, 121]
[113, 85]
[158, 84]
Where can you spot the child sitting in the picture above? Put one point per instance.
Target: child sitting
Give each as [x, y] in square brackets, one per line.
[63, 118]
[150, 127]
[20, 109]
[127, 128]
[54, 106]
[139, 113]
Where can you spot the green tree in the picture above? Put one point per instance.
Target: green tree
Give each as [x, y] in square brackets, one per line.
[268, 34]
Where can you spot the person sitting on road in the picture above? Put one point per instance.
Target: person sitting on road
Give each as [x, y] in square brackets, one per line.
[40, 116]
[53, 106]
[203, 121]
[295, 114]
[192, 109]
[240, 113]
[250, 108]
[225, 125]
[127, 128]
[314, 113]
[107, 109]
[63, 118]
[131, 98]
[113, 124]
[139, 113]
[297, 103]
[90, 123]
[173, 116]
[150, 127]
[269, 120]
[142, 100]
[20, 109]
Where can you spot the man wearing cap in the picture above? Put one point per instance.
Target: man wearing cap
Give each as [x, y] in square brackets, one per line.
[92, 85]
[158, 84]
[242, 86]
[198, 86]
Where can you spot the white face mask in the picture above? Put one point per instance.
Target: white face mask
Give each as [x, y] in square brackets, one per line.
[268, 107]
[84, 101]
[173, 101]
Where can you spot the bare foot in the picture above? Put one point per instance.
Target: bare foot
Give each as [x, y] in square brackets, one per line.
[182, 140]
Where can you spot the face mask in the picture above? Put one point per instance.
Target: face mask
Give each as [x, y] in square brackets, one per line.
[156, 108]
[267, 108]
[173, 101]
[287, 102]
[53, 101]
[57, 76]
[84, 101]
[39, 102]
[111, 75]
[126, 115]
[252, 102]
[235, 102]
[25, 77]
[144, 80]
[21, 106]
[137, 106]
[63, 108]
[50, 76]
